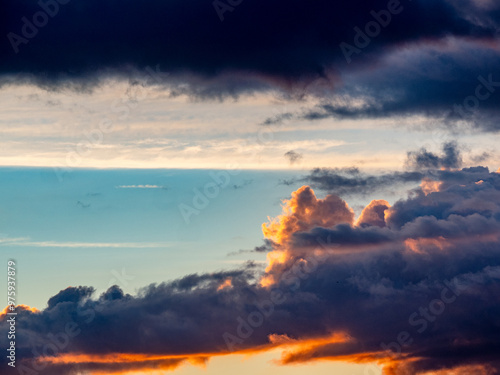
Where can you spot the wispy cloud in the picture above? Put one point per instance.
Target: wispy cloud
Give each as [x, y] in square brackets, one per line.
[4, 240]
[27, 242]
[140, 187]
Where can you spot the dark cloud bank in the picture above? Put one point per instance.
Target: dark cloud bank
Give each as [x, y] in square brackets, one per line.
[415, 286]
[423, 57]
[289, 39]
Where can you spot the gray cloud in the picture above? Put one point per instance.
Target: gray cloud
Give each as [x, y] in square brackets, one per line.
[293, 156]
[424, 159]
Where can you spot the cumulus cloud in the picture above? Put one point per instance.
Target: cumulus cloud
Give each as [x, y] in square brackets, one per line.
[374, 214]
[304, 212]
[413, 286]
[403, 263]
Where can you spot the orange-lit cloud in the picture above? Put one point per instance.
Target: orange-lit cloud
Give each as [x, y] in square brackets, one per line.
[374, 213]
[422, 245]
[226, 284]
[429, 186]
[4, 312]
[130, 363]
[303, 212]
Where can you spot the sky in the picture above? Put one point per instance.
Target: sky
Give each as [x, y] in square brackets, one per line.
[220, 186]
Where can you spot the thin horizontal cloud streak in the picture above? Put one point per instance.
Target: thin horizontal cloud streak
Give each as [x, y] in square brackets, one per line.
[24, 242]
[140, 187]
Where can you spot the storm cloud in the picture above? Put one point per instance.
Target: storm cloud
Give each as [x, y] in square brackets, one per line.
[402, 56]
[413, 286]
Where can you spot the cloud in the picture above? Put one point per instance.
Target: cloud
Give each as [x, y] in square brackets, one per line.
[26, 242]
[268, 246]
[374, 214]
[422, 166]
[83, 205]
[140, 187]
[349, 181]
[293, 156]
[428, 55]
[413, 286]
[389, 273]
[423, 159]
[303, 212]
[243, 184]
[74, 295]
[441, 81]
